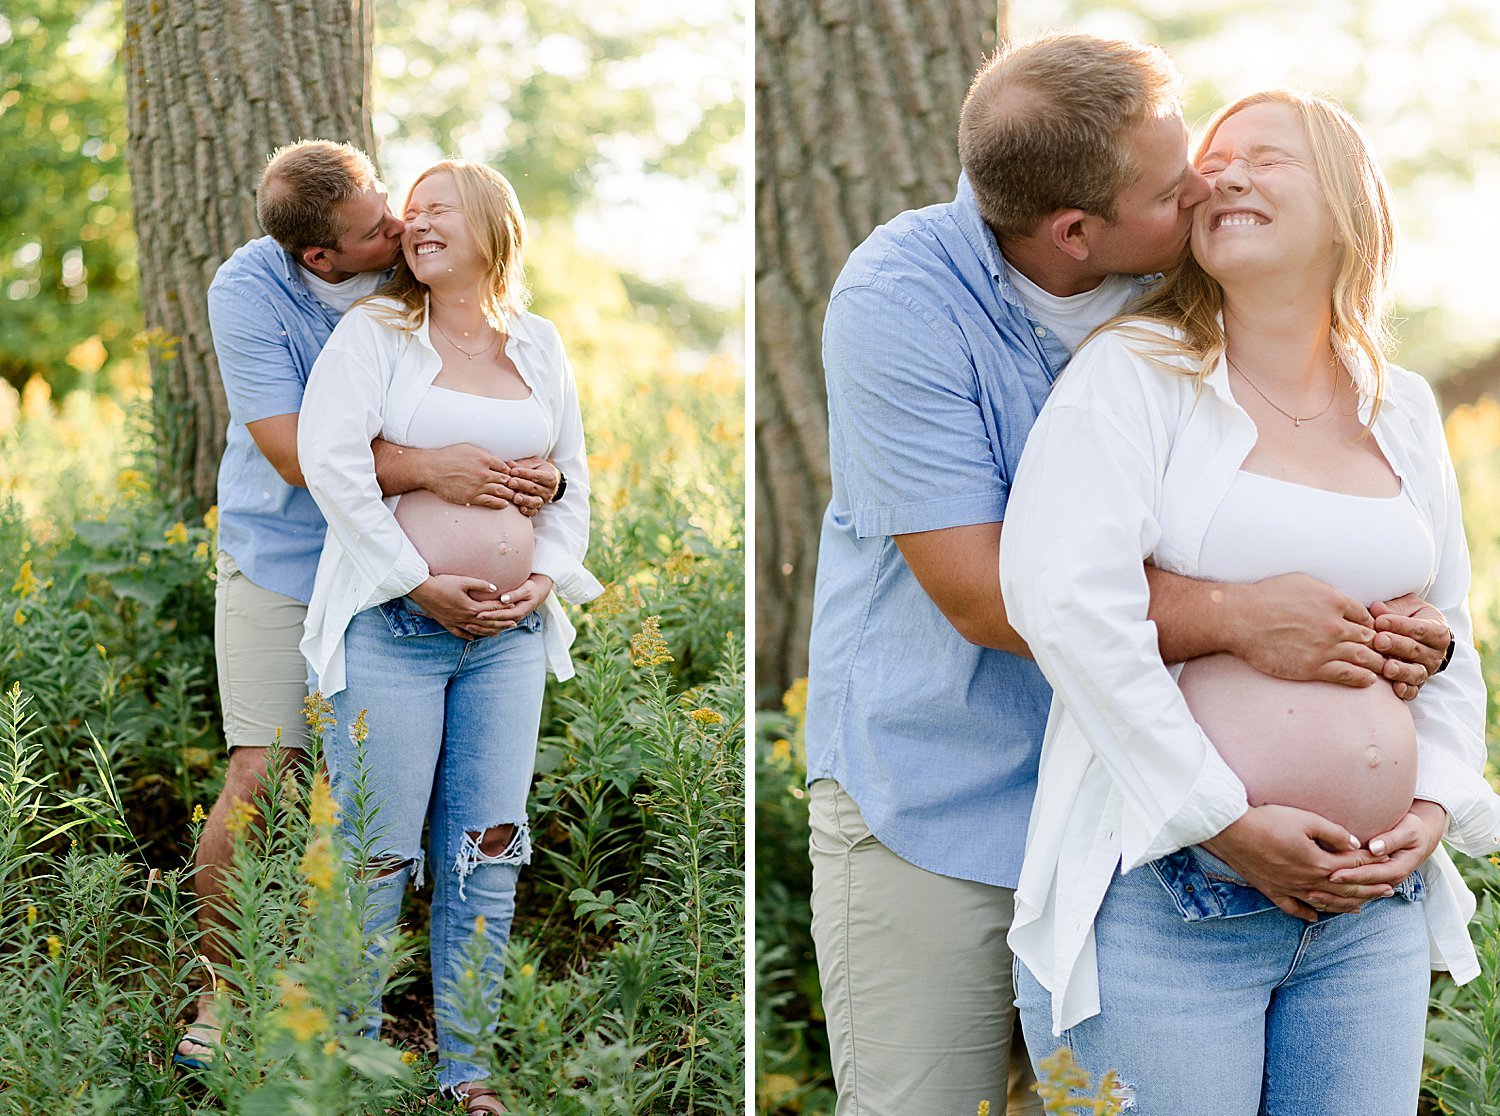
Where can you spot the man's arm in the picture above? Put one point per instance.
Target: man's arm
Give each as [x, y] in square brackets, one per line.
[1290, 627]
[460, 474]
[958, 567]
[465, 474]
[276, 438]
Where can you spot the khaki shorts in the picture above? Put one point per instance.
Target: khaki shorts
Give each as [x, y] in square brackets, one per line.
[262, 674]
[916, 976]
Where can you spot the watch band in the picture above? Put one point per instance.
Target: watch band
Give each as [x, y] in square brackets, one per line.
[1448, 654]
[562, 486]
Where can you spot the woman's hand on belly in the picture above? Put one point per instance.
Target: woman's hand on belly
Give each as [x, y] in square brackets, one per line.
[1288, 854]
[463, 605]
[1396, 854]
[524, 598]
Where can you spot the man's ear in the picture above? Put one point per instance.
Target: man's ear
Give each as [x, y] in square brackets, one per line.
[1069, 232]
[316, 259]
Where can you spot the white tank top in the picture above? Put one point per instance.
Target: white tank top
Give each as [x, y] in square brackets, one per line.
[1370, 547]
[507, 428]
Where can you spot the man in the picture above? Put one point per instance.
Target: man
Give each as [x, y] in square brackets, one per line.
[332, 240]
[925, 715]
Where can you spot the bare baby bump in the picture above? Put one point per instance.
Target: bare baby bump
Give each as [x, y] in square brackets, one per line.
[1347, 754]
[492, 543]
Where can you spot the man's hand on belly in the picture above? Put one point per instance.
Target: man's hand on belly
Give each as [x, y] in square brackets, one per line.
[1284, 853]
[1301, 629]
[468, 475]
[1413, 636]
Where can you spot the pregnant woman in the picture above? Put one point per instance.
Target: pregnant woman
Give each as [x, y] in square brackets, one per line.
[438, 620]
[1199, 844]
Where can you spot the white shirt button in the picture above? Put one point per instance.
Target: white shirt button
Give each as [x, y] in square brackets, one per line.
[1040, 332]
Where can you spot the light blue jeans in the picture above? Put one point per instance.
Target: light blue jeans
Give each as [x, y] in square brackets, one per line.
[1215, 1003]
[452, 742]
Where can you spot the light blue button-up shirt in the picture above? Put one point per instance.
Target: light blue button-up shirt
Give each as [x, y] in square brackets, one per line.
[935, 375]
[267, 329]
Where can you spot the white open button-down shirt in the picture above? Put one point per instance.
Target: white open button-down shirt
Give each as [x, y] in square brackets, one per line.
[368, 382]
[1128, 462]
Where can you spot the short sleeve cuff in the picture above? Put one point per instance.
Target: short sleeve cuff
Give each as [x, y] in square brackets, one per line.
[931, 515]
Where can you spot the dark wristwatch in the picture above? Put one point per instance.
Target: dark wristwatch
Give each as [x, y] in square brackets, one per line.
[1448, 654]
[562, 486]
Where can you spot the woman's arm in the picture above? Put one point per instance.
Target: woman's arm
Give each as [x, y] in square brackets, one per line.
[562, 530]
[1079, 525]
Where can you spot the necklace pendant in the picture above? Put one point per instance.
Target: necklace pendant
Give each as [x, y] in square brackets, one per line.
[1297, 422]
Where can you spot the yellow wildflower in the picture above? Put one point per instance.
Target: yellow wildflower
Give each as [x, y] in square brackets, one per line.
[479, 924]
[176, 534]
[409, 1057]
[359, 732]
[781, 751]
[984, 1108]
[647, 648]
[298, 1014]
[211, 518]
[317, 862]
[611, 602]
[319, 713]
[131, 482]
[322, 810]
[19, 617]
[241, 814]
[680, 565]
[330, 1048]
[527, 970]
[99, 647]
[541, 1026]
[705, 717]
[794, 701]
[27, 583]
[198, 814]
[30, 914]
[200, 552]
[54, 946]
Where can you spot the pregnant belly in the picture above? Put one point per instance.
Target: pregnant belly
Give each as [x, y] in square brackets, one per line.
[492, 543]
[1349, 755]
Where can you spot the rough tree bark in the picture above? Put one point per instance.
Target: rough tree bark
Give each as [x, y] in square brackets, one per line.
[212, 87]
[856, 120]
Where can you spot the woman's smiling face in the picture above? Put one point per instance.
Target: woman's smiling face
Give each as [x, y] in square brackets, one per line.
[438, 243]
[1266, 212]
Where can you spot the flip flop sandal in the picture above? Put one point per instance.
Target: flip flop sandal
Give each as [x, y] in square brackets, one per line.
[195, 1061]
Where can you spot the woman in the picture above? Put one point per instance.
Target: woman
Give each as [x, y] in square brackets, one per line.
[1244, 423]
[440, 620]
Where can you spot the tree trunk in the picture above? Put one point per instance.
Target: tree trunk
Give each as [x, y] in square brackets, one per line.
[856, 120]
[212, 87]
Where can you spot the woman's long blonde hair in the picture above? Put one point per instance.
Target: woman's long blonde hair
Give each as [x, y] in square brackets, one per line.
[1357, 196]
[493, 214]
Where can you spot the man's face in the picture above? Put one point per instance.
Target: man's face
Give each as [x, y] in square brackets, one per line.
[371, 240]
[1153, 217]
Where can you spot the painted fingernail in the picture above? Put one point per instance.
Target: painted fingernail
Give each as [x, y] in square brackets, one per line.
[493, 588]
[1354, 842]
[1377, 847]
[504, 597]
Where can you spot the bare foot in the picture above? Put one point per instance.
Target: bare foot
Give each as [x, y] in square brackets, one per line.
[480, 1099]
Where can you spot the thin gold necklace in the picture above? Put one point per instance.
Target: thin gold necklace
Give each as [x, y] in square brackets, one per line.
[1296, 420]
[491, 345]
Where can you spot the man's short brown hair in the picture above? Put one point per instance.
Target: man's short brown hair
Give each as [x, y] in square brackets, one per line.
[1047, 125]
[302, 187]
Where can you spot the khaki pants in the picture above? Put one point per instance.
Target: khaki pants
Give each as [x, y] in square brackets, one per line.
[262, 674]
[917, 985]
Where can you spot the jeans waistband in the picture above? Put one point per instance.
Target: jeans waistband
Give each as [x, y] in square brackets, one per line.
[1203, 886]
[406, 619]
